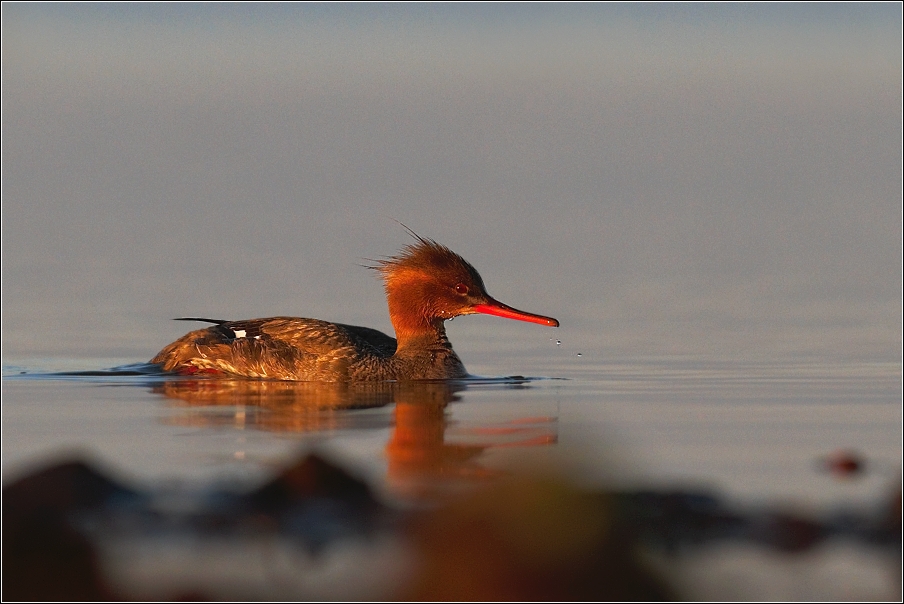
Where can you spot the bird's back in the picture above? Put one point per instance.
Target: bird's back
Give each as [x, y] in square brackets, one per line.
[286, 348]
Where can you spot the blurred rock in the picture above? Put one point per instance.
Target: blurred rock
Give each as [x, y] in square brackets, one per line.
[44, 557]
[844, 464]
[528, 539]
[311, 477]
[787, 532]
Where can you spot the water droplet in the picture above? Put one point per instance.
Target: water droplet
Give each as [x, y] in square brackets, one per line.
[558, 342]
[580, 355]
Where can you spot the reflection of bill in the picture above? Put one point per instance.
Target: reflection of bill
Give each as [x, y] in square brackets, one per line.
[421, 463]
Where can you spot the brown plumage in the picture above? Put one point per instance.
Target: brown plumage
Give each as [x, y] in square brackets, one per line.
[426, 284]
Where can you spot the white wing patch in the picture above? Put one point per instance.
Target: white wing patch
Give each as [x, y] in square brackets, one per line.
[239, 333]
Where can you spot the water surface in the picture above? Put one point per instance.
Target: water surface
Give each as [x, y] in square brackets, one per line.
[753, 434]
[750, 429]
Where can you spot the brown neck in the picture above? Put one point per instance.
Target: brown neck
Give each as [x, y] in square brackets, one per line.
[420, 336]
[414, 330]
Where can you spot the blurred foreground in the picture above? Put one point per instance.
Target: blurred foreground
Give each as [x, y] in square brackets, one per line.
[316, 532]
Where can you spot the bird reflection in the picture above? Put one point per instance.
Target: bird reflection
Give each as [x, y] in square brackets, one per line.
[422, 463]
[272, 405]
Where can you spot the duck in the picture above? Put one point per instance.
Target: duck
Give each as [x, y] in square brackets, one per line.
[426, 284]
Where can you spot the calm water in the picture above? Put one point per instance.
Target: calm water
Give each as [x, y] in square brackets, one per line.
[753, 433]
[751, 430]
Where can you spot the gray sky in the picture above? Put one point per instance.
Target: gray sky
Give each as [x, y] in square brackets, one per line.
[695, 179]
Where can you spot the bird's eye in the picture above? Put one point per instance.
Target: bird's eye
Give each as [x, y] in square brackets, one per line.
[462, 289]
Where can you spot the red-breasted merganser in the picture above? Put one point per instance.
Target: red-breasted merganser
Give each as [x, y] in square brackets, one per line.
[426, 284]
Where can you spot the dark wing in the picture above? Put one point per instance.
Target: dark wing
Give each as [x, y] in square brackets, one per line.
[384, 345]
